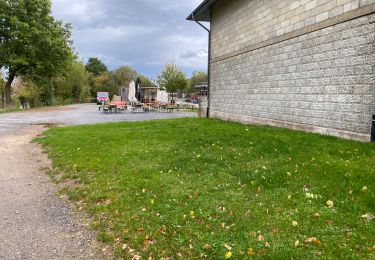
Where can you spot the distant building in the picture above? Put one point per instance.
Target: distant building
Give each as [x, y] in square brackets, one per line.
[150, 94]
[201, 89]
[301, 64]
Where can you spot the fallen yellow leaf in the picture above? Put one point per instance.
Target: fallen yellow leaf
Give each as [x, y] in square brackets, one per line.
[228, 255]
[313, 240]
[207, 246]
[250, 252]
[329, 203]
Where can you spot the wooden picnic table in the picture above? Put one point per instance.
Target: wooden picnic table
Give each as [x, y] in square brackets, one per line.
[114, 106]
[138, 107]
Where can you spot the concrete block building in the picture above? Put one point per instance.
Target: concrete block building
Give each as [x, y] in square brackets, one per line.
[301, 64]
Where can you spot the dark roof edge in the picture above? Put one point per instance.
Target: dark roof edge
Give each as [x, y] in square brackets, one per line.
[202, 12]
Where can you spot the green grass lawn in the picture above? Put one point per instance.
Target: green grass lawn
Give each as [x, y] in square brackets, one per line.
[3, 111]
[196, 188]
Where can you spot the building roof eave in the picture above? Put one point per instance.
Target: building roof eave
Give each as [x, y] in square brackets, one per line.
[202, 12]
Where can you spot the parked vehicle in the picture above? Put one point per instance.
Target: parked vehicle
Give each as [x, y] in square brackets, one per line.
[195, 99]
[102, 98]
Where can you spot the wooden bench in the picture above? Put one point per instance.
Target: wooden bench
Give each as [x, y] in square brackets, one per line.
[119, 105]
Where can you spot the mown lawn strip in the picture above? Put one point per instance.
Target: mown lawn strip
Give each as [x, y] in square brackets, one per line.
[196, 188]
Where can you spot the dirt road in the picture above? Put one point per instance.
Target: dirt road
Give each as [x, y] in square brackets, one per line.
[34, 223]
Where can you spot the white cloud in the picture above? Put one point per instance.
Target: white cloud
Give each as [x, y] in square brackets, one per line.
[82, 11]
[112, 33]
[144, 33]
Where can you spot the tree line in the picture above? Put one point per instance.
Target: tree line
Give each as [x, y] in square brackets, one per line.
[40, 66]
[171, 78]
[101, 79]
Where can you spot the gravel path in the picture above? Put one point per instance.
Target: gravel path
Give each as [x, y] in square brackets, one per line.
[34, 223]
[76, 115]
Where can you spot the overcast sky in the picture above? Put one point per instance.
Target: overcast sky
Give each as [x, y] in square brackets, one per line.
[143, 34]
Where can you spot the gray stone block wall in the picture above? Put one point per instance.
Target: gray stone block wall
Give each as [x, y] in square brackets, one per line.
[237, 24]
[323, 81]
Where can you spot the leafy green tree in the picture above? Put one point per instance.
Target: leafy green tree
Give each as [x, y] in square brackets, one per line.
[198, 77]
[172, 79]
[74, 85]
[96, 66]
[104, 83]
[32, 42]
[29, 94]
[2, 91]
[124, 75]
[146, 82]
[46, 88]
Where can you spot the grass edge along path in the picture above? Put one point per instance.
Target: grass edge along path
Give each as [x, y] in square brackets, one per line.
[203, 188]
[4, 111]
